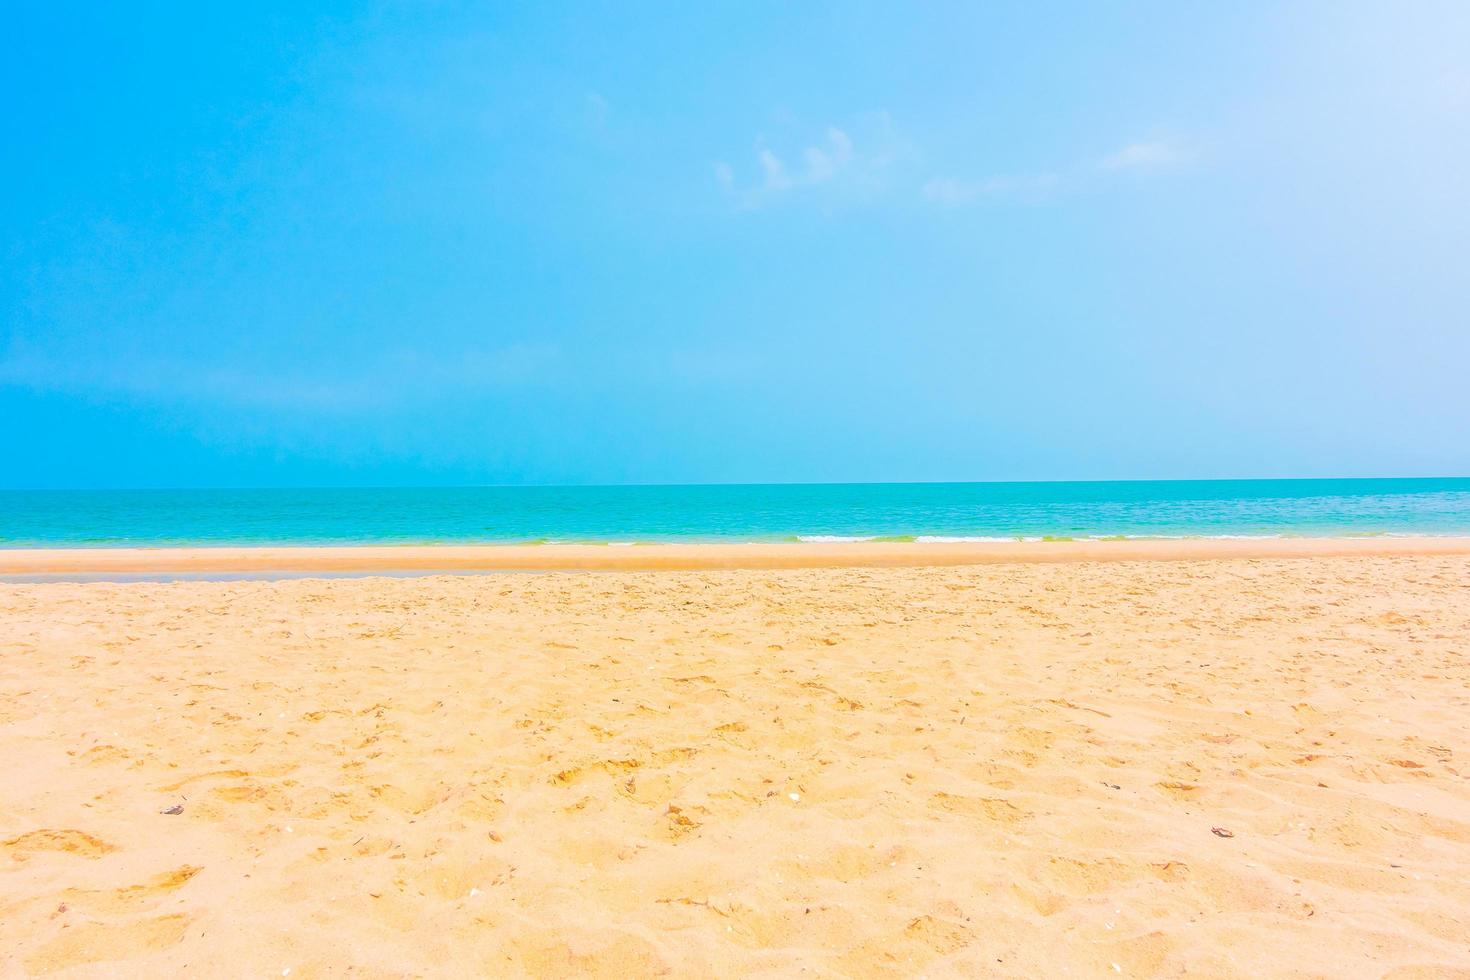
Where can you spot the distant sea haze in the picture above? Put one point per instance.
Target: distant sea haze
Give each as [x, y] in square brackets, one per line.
[919, 512]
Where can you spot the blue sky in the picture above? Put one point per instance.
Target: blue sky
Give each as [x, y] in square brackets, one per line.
[581, 243]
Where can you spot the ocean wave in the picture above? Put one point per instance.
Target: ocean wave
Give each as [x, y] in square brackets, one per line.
[1182, 537]
[905, 538]
[1023, 538]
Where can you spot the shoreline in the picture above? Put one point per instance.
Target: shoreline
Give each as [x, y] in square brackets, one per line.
[698, 557]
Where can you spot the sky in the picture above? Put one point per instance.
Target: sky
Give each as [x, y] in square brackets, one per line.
[293, 244]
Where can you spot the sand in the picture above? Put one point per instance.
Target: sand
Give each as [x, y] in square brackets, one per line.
[694, 557]
[1225, 767]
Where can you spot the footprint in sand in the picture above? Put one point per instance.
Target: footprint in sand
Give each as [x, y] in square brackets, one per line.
[66, 841]
[101, 942]
[132, 897]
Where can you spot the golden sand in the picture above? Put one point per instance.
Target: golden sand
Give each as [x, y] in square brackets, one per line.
[695, 557]
[1229, 768]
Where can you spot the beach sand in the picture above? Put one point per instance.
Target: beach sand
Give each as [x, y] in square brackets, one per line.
[1096, 768]
[695, 557]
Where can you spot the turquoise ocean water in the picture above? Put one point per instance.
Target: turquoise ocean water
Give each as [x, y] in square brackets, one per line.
[778, 512]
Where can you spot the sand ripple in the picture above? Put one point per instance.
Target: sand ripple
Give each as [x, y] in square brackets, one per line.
[1007, 769]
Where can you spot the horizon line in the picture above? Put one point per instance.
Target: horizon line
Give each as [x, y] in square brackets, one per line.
[690, 485]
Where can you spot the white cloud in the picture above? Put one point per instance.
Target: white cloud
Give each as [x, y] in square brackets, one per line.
[841, 144]
[1140, 157]
[775, 171]
[1151, 155]
[843, 167]
[725, 174]
[819, 166]
[831, 162]
[823, 162]
[951, 191]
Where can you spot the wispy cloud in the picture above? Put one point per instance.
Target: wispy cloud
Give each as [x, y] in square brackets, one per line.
[1150, 155]
[878, 163]
[776, 177]
[725, 176]
[1140, 157]
[952, 191]
[822, 163]
[832, 161]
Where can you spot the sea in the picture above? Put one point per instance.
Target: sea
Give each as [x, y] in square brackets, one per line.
[625, 515]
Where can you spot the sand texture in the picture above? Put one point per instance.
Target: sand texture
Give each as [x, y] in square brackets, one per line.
[1221, 768]
[696, 557]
